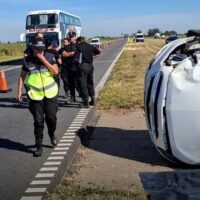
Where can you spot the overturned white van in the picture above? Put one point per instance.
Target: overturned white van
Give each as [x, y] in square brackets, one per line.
[172, 100]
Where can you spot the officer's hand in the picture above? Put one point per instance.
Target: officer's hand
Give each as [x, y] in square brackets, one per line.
[40, 56]
[64, 53]
[19, 97]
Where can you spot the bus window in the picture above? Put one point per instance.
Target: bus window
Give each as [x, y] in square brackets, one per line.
[41, 19]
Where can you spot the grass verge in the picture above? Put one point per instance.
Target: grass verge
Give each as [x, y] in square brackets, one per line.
[124, 89]
[11, 51]
[97, 193]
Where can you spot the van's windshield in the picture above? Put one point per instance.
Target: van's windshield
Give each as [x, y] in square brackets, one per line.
[139, 36]
[94, 40]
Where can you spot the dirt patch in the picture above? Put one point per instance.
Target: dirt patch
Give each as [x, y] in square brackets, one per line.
[119, 150]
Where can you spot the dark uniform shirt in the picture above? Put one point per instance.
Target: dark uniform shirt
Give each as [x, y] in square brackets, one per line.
[88, 51]
[68, 48]
[55, 53]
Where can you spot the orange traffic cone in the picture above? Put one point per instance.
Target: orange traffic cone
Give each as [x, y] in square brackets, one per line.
[3, 83]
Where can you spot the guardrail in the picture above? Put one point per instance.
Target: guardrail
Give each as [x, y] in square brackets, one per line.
[111, 44]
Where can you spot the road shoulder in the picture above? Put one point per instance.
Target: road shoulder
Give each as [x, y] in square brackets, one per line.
[118, 150]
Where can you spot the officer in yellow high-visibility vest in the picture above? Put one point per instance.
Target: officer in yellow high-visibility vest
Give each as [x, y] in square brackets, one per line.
[37, 76]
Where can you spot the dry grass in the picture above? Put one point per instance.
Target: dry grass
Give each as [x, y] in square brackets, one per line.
[11, 51]
[70, 192]
[125, 86]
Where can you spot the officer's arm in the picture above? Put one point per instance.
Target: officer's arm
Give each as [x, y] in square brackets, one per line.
[20, 85]
[51, 67]
[67, 54]
[96, 51]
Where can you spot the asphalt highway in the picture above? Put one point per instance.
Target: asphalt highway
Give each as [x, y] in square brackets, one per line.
[18, 167]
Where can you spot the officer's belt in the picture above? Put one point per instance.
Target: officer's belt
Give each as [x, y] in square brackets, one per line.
[37, 71]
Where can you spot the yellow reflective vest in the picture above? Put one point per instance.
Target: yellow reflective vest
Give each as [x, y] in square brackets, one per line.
[40, 82]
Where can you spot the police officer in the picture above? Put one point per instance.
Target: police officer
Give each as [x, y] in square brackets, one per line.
[84, 56]
[37, 75]
[70, 65]
[64, 70]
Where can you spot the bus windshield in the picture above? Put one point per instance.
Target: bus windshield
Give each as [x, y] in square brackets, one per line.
[53, 36]
[41, 20]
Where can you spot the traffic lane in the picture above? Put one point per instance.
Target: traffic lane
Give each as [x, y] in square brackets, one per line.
[104, 60]
[18, 168]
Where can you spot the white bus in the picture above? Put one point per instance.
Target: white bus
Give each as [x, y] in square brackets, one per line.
[55, 24]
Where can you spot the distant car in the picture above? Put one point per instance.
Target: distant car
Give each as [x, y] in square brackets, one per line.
[163, 36]
[171, 38]
[139, 37]
[96, 42]
[172, 95]
[157, 36]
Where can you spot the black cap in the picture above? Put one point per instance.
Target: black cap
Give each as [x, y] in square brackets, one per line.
[39, 45]
[72, 34]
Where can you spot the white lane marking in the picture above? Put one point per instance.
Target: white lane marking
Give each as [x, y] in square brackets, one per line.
[67, 140]
[31, 190]
[83, 112]
[32, 198]
[85, 109]
[59, 153]
[55, 158]
[41, 182]
[70, 131]
[80, 117]
[70, 134]
[52, 163]
[44, 175]
[17, 67]
[61, 148]
[48, 169]
[78, 120]
[64, 144]
[77, 123]
[68, 137]
[74, 127]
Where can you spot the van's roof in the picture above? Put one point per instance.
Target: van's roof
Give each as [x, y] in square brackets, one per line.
[95, 39]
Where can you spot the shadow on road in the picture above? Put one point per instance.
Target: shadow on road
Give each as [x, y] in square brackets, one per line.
[12, 145]
[128, 144]
[11, 102]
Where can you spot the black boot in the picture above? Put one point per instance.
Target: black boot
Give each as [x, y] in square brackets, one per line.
[92, 102]
[85, 104]
[67, 95]
[38, 152]
[72, 99]
[53, 140]
[38, 144]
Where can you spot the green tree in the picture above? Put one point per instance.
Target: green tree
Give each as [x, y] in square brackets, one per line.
[151, 32]
[168, 33]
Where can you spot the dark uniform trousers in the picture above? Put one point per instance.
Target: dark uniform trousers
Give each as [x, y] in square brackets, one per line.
[65, 78]
[73, 81]
[44, 110]
[86, 80]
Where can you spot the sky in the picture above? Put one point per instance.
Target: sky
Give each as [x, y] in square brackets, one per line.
[105, 17]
